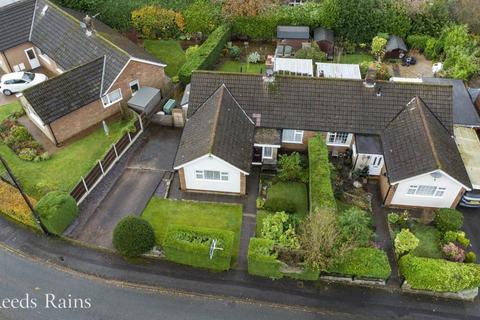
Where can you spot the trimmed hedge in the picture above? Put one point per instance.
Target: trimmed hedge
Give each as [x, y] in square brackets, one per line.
[191, 246]
[57, 210]
[133, 237]
[261, 259]
[363, 262]
[439, 275]
[206, 55]
[321, 190]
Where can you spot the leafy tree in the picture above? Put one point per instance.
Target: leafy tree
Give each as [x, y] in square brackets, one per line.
[249, 8]
[277, 227]
[202, 16]
[396, 20]
[290, 168]
[432, 18]
[156, 22]
[133, 236]
[355, 226]
[405, 242]
[378, 47]
[312, 52]
[467, 12]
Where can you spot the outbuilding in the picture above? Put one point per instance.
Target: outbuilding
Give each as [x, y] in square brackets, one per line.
[325, 40]
[395, 48]
[294, 36]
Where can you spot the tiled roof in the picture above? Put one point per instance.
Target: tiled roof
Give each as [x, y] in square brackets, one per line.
[67, 92]
[368, 144]
[268, 136]
[321, 104]
[220, 127]
[415, 142]
[16, 23]
[293, 32]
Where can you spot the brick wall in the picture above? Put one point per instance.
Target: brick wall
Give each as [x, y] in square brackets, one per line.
[16, 55]
[3, 64]
[243, 184]
[300, 147]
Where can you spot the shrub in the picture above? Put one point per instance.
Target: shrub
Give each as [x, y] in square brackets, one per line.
[431, 50]
[278, 227]
[276, 204]
[27, 154]
[450, 236]
[418, 41]
[439, 275]
[262, 259]
[207, 54]
[462, 239]
[57, 210]
[363, 262]
[234, 52]
[156, 22]
[191, 246]
[20, 134]
[453, 252]
[290, 168]
[470, 257]
[191, 51]
[405, 241]
[393, 218]
[133, 237]
[321, 190]
[448, 220]
[254, 57]
[378, 46]
[314, 53]
[355, 225]
[202, 16]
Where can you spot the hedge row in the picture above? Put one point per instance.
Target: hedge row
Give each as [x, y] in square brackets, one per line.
[439, 275]
[191, 246]
[321, 190]
[206, 56]
[363, 263]
[261, 259]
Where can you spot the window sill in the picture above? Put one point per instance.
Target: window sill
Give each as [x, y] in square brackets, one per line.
[293, 142]
[105, 106]
[338, 144]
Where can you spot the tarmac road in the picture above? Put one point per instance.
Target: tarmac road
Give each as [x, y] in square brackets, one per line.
[47, 286]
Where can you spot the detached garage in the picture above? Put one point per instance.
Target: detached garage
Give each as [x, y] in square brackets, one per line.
[215, 152]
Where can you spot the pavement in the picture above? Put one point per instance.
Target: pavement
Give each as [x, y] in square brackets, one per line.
[471, 226]
[7, 99]
[146, 167]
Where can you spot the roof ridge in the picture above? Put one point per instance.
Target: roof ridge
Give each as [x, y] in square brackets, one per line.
[218, 105]
[426, 126]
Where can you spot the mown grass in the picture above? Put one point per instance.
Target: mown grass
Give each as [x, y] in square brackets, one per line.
[168, 51]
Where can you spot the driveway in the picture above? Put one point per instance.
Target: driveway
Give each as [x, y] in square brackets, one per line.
[423, 68]
[149, 167]
[6, 99]
[471, 226]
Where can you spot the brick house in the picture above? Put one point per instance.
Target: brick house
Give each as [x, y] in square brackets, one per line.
[403, 132]
[96, 70]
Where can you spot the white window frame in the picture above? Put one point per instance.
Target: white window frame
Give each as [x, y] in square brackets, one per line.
[222, 176]
[337, 138]
[132, 83]
[437, 192]
[109, 101]
[297, 136]
[265, 155]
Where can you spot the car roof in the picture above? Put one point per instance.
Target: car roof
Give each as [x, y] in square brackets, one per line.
[13, 75]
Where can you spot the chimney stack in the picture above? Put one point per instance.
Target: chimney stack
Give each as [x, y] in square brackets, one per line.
[89, 25]
[371, 77]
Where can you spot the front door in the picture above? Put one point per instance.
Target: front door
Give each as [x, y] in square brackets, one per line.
[376, 164]
[32, 58]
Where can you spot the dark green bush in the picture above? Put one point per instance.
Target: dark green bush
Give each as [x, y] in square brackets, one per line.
[448, 220]
[290, 168]
[321, 190]
[439, 275]
[57, 211]
[356, 225]
[202, 16]
[470, 257]
[275, 204]
[262, 260]
[191, 246]
[133, 237]
[206, 56]
[417, 41]
[364, 263]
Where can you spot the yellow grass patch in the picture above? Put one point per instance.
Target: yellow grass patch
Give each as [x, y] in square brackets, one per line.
[13, 205]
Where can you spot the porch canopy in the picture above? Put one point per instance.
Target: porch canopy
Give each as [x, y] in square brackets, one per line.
[469, 147]
[145, 100]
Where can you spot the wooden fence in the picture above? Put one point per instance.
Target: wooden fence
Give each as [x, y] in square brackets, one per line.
[103, 166]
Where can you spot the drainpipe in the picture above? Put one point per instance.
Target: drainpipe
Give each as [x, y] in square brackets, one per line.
[53, 135]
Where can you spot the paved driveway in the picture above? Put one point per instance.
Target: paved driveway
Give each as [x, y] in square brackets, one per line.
[6, 99]
[471, 226]
[146, 170]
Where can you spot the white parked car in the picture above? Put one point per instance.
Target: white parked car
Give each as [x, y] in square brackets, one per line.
[19, 81]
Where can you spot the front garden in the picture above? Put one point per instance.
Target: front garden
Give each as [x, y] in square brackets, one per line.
[305, 237]
[434, 255]
[169, 218]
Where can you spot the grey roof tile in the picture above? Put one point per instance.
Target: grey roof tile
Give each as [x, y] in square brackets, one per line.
[415, 142]
[395, 42]
[67, 92]
[293, 32]
[219, 127]
[16, 22]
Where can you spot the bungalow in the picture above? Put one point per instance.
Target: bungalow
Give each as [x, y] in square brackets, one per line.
[395, 47]
[95, 69]
[402, 131]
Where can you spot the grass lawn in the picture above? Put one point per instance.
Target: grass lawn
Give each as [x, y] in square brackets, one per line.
[65, 168]
[295, 191]
[356, 58]
[163, 212]
[8, 109]
[429, 245]
[169, 52]
[235, 66]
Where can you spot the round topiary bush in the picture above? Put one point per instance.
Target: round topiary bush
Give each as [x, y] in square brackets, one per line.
[448, 220]
[57, 211]
[276, 204]
[133, 236]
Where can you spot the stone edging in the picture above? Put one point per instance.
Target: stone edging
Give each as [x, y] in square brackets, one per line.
[465, 295]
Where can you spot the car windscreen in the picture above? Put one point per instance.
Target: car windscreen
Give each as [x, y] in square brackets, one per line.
[28, 76]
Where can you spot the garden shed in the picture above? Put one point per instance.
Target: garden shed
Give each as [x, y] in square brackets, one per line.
[395, 47]
[294, 36]
[145, 100]
[325, 40]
